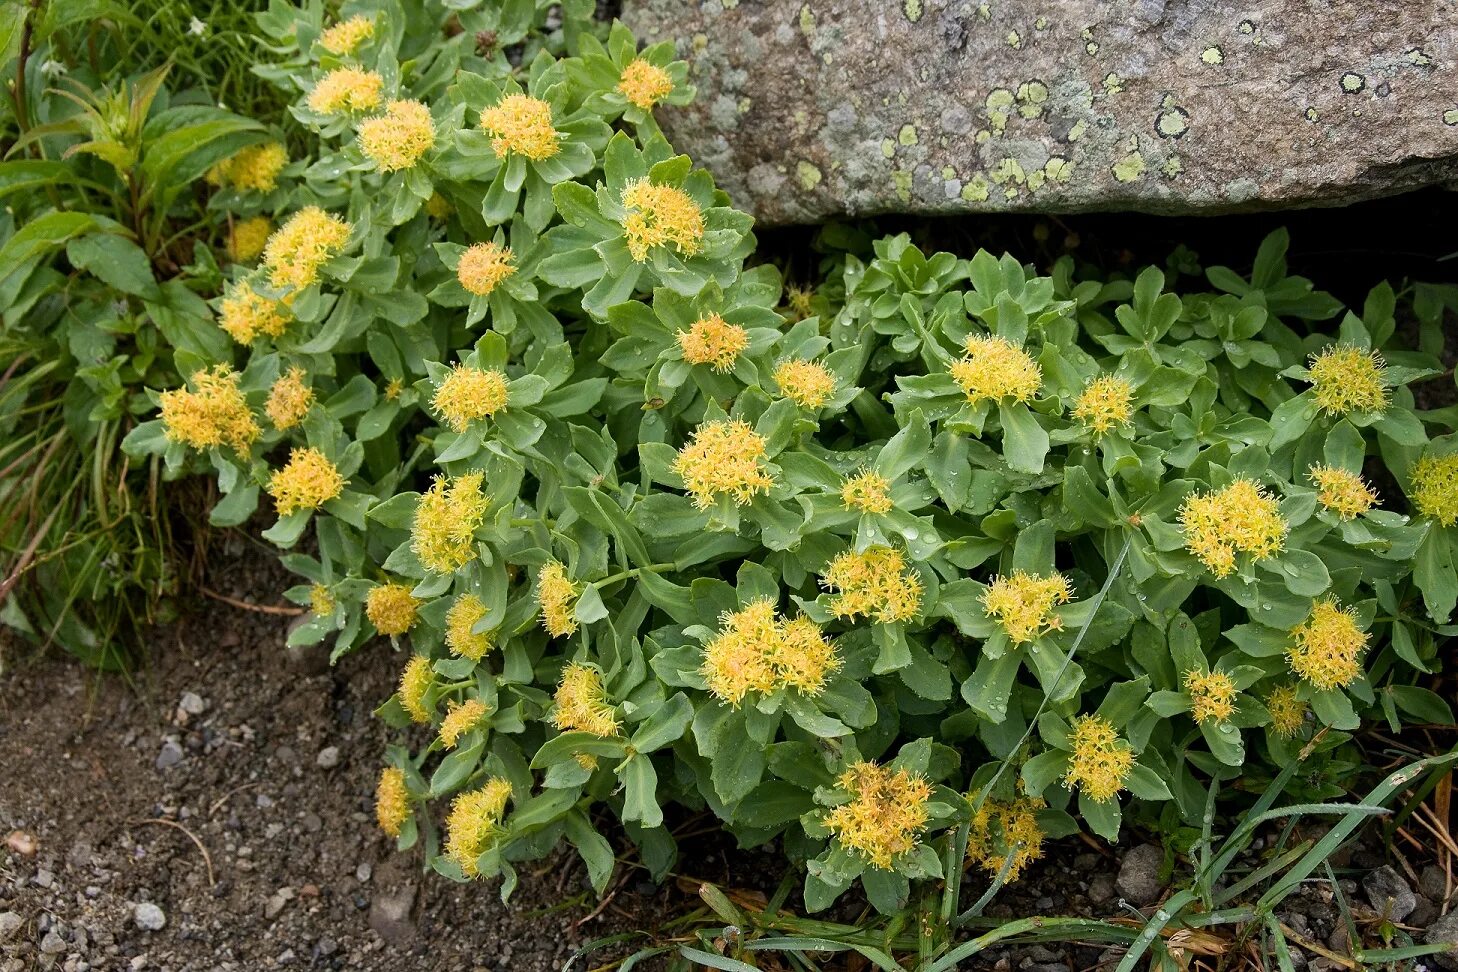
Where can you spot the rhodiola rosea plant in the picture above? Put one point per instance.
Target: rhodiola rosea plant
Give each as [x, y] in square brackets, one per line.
[974, 548]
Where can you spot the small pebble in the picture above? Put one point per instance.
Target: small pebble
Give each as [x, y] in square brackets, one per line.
[328, 757]
[149, 917]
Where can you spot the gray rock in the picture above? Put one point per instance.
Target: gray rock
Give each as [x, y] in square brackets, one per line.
[1388, 893]
[1101, 889]
[1138, 879]
[149, 917]
[10, 923]
[390, 915]
[1444, 931]
[328, 757]
[192, 704]
[52, 943]
[1422, 916]
[170, 755]
[810, 109]
[1433, 883]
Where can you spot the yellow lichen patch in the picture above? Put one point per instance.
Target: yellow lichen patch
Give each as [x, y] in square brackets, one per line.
[581, 702]
[344, 38]
[245, 314]
[484, 266]
[867, 491]
[1005, 833]
[415, 681]
[253, 168]
[994, 369]
[1288, 712]
[1025, 604]
[644, 84]
[875, 583]
[1434, 487]
[808, 384]
[213, 413]
[446, 520]
[469, 394]
[521, 125]
[556, 596]
[247, 238]
[474, 823]
[1344, 493]
[289, 400]
[460, 718]
[759, 651]
[660, 216]
[1326, 648]
[724, 458]
[1101, 762]
[1104, 403]
[392, 801]
[886, 814]
[391, 608]
[321, 601]
[1212, 695]
[461, 636]
[347, 90]
[712, 341]
[1241, 518]
[399, 138]
[1348, 379]
[303, 244]
[306, 482]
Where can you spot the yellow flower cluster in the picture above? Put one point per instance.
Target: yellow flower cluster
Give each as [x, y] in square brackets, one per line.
[712, 341]
[644, 84]
[799, 301]
[461, 636]
[1101, 762]
[321, 601]
[1344, 493]
[484, 266]
[867, 491]
[446, 519]
[522, 125]
[875, 583]
[1212, 695]
[581, 702]
[474, 823]
[438, 207]
[304, 243]
[245, 314]
[415, 681]
[1288, 712]
[347, 89]
[994, 369]
[247, 238]
[555, 596]
[392, 801]
[808, 384]
[469, 394]
[214, 413]
[1105, 402]
[724, 458]
[344, 38]
[400, 137]
[1435, 487]
[460, 718]
[1325, 649]
[1005, 828]
[758, 651]
[1348, 379]
[255, 167]
[391, 608]
[289, 400]
[306, 482]
[1024, 603]
[661, 216]
[1241, 518]
[886, 814]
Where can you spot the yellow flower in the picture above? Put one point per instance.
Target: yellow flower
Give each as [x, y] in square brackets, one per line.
[757, 651]
[446, 519]
[522, 125]
[474, 823]
[1024, 603]
[1344, 493]
[246, 314]
[306, 482]
[415, 682]
[1101, 762]
[581, 702]
[1241, 518]
[1105, 402]
[1288, 712]
[438, 208]
[347, 89]
[1435, 487]
[393, 389]
[391, 608]
[303, 244]
[994, 369]
[808, 384]
[867, 491]
[804, 657]
[255, 167]
[460, 718]
[289, 400]
[711, 341]
[247, 238]
[392, 801]
[321, 601]
[799, 300]
[876, 583]
[724, 458]
[886, 814]
[1002, 829]
[344, 38]
[644, 84]
[215, 413]
[661, 216]
[461, 636]
[1325, 649]
[1348, 379]
[397, 139]
[555, 596]
[1212, 695]
[483, 266]
[468, 394]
